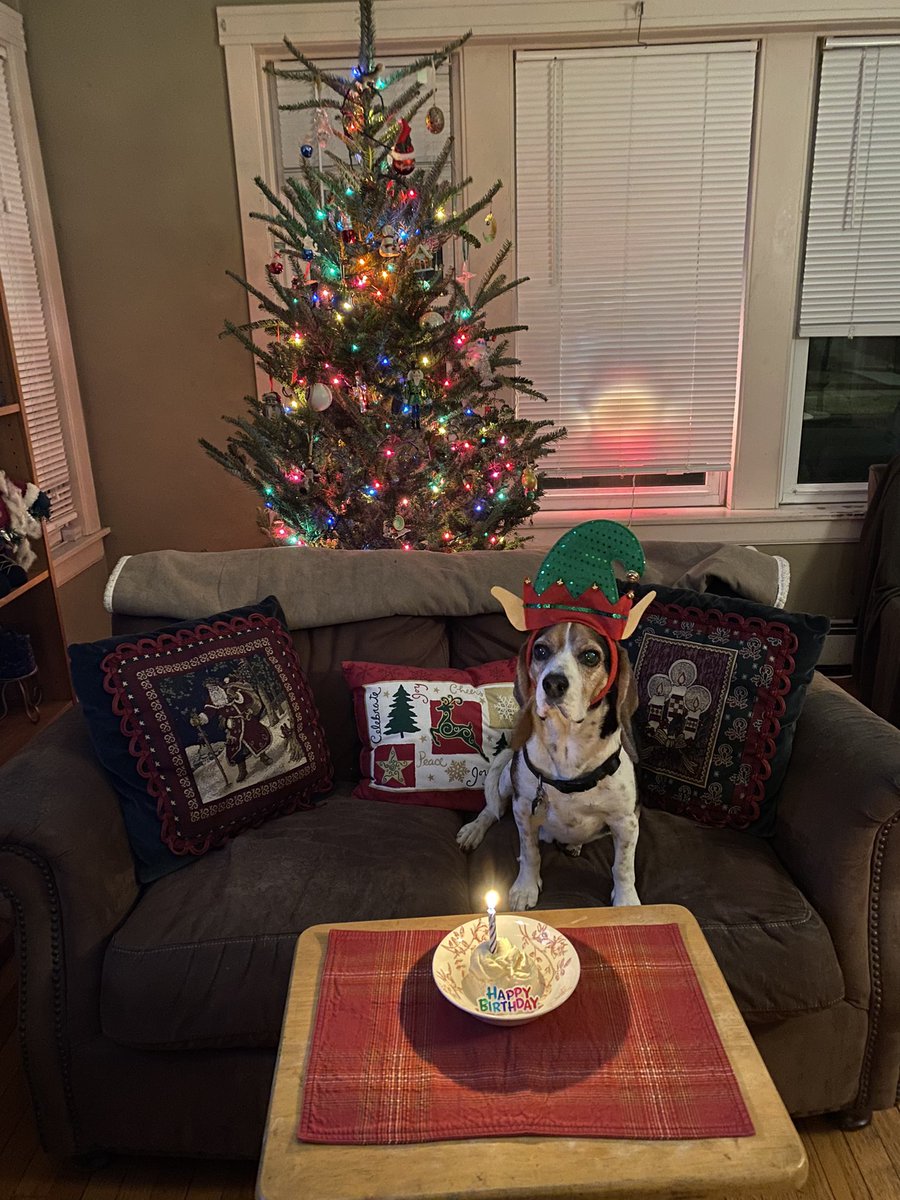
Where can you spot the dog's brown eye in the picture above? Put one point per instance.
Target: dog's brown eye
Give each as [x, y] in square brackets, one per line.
[540, 652]
[590, 658]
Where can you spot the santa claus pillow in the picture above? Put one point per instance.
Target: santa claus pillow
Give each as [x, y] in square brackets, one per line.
[429, 735]
[207, 728]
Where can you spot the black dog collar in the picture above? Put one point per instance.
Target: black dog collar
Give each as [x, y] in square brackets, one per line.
[581, 783]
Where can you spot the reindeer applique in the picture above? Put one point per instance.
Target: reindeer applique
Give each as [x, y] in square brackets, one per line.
[447, 728]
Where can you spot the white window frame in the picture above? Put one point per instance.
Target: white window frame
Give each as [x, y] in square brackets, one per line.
[748, 507]
[808, 493]
[69, 557]
[792, 491]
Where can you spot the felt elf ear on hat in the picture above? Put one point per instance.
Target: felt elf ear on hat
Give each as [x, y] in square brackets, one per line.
[576, 582]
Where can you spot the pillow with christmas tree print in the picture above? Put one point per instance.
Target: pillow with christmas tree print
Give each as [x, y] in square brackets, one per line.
[429, 735]
[207, 728]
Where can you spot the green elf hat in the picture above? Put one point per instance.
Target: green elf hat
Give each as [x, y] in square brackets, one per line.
[576, 582]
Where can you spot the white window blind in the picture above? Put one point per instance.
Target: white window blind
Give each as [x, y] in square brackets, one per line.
[851, 276]
[28, 326]
[296, 128]
[632, 180]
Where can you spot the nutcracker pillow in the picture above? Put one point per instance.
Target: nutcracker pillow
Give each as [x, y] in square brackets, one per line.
[206, 727]
[429, 735]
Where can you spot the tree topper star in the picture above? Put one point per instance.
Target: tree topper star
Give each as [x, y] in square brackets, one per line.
[392, 768]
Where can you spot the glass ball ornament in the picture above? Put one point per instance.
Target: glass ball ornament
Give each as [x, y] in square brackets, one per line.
[320, 397]
[306, 150]
[306, 254]
[434, 119]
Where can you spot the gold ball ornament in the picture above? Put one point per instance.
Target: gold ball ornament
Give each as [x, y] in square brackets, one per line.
[529, 481]
[431, 319]
[434, 119]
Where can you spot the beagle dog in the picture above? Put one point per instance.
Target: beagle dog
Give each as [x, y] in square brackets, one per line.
[570, 767]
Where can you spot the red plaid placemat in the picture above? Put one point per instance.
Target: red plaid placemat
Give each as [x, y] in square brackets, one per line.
[633, 1052]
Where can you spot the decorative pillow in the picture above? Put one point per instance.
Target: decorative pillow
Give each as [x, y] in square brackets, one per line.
[207, 728]
[721, 682]
[429, 735]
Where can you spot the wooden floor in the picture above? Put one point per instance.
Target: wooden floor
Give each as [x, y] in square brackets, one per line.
[842, 1166]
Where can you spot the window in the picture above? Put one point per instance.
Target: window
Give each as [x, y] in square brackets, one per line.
[846, 381]
[298, 128]
[744, 501]
[632, 184]
[31, 282]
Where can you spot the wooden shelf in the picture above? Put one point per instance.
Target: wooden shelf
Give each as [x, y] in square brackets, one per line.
[16, 731]
[26, 587]
[37, 617]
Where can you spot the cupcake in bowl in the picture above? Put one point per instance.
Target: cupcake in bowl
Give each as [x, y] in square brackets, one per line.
[533, 970]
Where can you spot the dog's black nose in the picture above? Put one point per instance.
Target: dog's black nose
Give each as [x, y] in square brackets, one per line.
[555, 686]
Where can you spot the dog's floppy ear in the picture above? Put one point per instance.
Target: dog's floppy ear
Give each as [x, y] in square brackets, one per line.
[524, 694]
[626, 705]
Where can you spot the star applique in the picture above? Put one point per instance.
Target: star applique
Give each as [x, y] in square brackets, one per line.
[392, 768]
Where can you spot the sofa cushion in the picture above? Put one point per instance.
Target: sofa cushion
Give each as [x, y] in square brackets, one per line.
[428, 736]
[773, 948]
[204, 957]
[206, 728]
[721, 684]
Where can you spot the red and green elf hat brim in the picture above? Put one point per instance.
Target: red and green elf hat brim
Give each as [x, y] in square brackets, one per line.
[576, 582]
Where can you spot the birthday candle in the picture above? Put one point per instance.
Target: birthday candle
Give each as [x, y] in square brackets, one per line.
[491, 901]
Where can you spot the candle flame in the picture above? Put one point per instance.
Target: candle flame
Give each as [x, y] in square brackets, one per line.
[491, 899]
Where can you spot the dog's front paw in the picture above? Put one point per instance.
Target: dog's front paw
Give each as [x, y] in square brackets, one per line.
[572, 851]
[524, 894]
[625, 897]
[472, 835]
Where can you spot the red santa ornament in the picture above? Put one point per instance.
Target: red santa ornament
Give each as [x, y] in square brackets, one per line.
[403, 156]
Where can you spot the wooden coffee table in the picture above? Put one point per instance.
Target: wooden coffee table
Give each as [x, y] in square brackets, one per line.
[528, 1168]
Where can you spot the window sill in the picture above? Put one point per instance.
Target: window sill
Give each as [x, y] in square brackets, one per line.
[812, 523]
[71, 558]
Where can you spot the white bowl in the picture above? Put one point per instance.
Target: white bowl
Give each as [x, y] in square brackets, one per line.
[552, 953]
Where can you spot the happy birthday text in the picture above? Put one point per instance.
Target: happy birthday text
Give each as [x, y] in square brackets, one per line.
[504, 1000]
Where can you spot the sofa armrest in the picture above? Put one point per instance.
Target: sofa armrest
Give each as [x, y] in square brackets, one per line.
[838, 833]
[66, 868]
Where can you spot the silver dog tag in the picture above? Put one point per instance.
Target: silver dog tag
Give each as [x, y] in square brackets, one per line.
[539, 797]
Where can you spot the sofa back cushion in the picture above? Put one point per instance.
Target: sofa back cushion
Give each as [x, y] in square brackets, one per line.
[485, 638]
[400, 641]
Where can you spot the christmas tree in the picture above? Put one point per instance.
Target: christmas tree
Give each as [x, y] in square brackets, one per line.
[388, 420]
[401, 718]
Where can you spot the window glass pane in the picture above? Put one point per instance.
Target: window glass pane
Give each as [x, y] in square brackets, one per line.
[851, 409]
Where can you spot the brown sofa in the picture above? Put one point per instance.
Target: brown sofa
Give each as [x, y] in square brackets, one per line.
[150, 1017]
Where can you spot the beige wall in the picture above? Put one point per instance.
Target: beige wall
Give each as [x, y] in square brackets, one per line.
[133, 118]
[822, 577]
